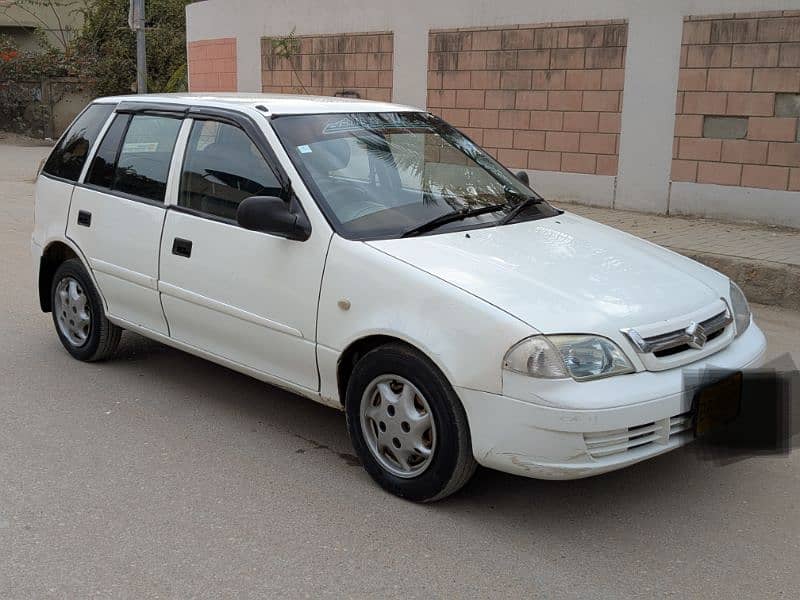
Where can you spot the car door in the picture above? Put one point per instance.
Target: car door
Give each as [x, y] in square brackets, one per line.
[248, 297]
[117, 214]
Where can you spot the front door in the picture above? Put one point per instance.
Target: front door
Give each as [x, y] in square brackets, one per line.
[245, 296]
[116, 215]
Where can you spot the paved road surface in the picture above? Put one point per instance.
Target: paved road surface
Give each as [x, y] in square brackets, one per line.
[159, 475]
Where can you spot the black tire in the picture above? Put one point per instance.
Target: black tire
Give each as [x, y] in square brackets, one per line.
[103, 337]
[452, 463]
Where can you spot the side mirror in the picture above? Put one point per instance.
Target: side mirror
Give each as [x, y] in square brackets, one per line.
[269, 214]
[523, 177]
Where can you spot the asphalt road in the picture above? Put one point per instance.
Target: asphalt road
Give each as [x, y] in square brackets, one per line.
[159, 475]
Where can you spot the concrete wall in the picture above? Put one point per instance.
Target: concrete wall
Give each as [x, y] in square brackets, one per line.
[212, 65]
[541, 97]
[352, 64]
[645, 148]
[58, 22]
[737, 109]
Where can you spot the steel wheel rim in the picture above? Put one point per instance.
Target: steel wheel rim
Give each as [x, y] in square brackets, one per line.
[73, 312]
[398, 426]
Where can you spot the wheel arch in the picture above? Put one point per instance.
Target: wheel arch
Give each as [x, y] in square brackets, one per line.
[361, 346]
[54, 254]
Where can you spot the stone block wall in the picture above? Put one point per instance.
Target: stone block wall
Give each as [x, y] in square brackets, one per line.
[349, 64]
[738, 101]
[212, 65]
[543, 97]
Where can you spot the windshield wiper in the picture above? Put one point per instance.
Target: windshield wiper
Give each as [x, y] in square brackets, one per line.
[525, 203]
[457, 215]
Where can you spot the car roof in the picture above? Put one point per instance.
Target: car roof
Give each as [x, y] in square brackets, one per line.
[278, 104]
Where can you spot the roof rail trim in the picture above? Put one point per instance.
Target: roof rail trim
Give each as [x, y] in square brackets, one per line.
[163, 108]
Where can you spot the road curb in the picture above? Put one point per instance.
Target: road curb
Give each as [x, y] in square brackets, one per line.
[763, 282]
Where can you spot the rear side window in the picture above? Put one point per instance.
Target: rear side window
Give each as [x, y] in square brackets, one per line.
[143, 163]
[67, 159]
[135, 155]
[222, 167]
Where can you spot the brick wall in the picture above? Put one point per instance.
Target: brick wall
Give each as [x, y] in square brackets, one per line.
[738, 101]
[345, 64]
[212, 65]
[544, 97]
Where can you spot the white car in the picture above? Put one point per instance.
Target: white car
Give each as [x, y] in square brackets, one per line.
[370, 257]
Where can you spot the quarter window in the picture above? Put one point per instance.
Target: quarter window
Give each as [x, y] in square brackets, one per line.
[222, 167]
[104, 164]
[69, 156]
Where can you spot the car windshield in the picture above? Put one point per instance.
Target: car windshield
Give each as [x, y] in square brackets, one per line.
[384, 175]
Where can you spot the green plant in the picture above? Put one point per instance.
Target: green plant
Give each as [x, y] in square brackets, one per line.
[103, 53]
[27, 65]
[179, 80]
[25, 96]
[110, 45]
[27, 92]
[14, 100]
[287, 47]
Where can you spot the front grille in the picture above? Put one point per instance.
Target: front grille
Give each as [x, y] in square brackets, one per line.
[666, 342]
[607, 443]
[681, 340]
[685, 347]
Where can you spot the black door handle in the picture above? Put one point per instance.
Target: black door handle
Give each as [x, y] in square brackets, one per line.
[181, 247]
[84, 218]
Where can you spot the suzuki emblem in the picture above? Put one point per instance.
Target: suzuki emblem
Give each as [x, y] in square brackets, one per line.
[697, 335]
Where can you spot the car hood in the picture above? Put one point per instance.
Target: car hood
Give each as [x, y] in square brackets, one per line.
[565, 273]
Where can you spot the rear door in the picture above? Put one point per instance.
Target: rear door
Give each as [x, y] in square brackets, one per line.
[117, 213]
[246, 296]
[62, 171]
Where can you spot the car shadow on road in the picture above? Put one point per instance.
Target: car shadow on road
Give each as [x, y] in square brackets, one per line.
[639, 491]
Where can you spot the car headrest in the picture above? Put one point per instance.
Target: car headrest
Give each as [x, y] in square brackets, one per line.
[328, 156]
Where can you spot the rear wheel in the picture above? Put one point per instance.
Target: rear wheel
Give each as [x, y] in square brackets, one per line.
[78, 314]
[407, 425]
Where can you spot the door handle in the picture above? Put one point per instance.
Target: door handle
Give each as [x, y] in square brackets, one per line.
[84, 218]
[181, 247]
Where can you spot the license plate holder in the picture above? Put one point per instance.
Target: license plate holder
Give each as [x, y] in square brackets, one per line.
[717, 404]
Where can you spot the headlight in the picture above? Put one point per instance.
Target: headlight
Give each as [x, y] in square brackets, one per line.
[741, 310]
[581, 357]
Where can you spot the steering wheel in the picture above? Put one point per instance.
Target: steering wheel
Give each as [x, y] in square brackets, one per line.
[345, 195]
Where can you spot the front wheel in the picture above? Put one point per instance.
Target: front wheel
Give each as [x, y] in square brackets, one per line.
[407, 425]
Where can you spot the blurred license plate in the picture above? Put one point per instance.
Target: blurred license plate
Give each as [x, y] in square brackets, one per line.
[718, 404]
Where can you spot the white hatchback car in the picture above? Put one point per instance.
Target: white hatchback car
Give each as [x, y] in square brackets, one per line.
[370, 257]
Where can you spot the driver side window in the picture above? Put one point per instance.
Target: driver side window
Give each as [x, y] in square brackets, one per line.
[221, 168]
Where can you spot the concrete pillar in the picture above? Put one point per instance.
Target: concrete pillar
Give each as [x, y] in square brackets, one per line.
[410, 79]
[248, 52]
[648, 113]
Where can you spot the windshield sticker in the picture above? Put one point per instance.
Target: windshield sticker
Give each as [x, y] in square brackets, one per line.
[345, 124]
[304, 149]
[375, 121]
[136, 147]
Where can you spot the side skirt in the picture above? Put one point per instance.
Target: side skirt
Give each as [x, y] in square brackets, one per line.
[235, 366]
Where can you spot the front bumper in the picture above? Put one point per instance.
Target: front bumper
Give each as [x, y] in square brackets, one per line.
[642, 415]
